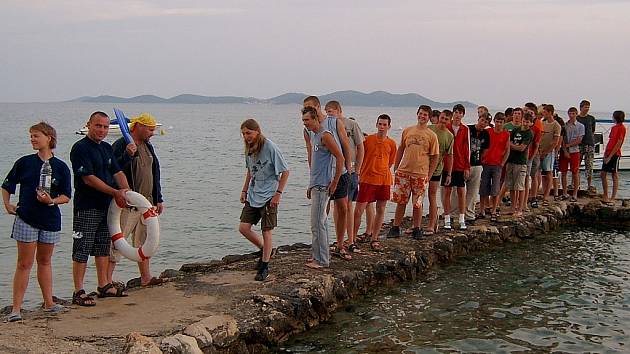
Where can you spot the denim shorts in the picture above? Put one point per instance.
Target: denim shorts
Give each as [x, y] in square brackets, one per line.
[24, 232]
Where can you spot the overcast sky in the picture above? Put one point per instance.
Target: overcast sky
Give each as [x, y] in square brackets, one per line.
[494, 52]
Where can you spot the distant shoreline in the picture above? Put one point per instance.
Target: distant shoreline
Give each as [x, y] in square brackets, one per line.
[348, 98]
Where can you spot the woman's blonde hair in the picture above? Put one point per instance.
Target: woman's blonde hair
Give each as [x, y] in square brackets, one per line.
[255, 147]
[47, 130]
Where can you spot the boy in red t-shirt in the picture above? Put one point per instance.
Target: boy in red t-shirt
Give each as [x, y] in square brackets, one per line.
[611, 156]
[493, 160]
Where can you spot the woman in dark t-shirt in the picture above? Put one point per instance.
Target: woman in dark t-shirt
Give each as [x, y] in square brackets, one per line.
[44, 184]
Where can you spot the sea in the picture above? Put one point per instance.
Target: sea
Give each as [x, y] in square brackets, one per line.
[203, 167]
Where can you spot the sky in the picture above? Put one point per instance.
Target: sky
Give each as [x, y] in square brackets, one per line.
[494, 52]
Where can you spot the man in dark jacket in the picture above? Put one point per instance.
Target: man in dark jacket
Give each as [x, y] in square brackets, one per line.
[142, 168]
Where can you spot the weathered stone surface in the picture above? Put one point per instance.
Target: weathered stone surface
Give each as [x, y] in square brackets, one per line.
[222, 329]
[180, 344]
[200, 333]
[136, 343]
[171, 273]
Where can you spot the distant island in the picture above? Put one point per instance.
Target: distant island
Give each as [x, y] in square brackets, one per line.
[347, 98]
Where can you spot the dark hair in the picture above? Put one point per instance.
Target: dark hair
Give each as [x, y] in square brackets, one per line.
[98, 114]
[549, 108]
[532, 106]
[572, 109]
[435, 113]
[459, 108]
[386, 117]
[508, 112]
[47, 130]
[528, 116]
[619, 116]
[584, 103]
[312, 98]
[486, 116]
[333, 104]
[499, 115]
[425, 108]
[310, 110]
[448, 113]
[518, 109]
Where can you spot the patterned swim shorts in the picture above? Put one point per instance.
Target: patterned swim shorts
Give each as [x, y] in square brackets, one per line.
[406, 185]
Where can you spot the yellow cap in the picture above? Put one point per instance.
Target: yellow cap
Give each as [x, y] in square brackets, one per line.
[144, 119]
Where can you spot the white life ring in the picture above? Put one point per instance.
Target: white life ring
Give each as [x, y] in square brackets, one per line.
[149, 218]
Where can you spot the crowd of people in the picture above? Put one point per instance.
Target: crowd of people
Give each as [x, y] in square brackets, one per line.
[513, 158]
[510, 158]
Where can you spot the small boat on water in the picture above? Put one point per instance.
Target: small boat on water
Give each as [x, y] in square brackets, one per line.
[114, 128]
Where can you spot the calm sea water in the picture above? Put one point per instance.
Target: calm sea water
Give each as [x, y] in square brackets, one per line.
[567, 292]
[202, 175]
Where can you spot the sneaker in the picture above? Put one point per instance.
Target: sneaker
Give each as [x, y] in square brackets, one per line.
[416, 233]
[534, 204]
[394, 232]
[14, 317]
[262, 274]
[447, 225]
[462, 225]
[259, 263]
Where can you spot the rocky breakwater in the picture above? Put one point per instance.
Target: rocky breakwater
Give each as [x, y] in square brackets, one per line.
[298, 299]
[217, 307]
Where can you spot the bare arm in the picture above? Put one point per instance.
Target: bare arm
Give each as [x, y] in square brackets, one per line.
[399, 155]
[330, 144]
[433, 162]
[248, 177]
[284, 177]
[345, 144]
[307, 141]
[360, 155]
[612, 152]
[96, 183]
[6, 198]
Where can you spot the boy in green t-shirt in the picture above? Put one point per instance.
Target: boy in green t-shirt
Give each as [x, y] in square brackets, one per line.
[520, 138]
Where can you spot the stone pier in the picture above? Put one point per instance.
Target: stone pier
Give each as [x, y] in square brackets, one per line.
[217, 307]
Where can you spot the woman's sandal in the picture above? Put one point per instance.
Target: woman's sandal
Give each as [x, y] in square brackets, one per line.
[376, 246]
[82, 299]
[493, 217]
[104, 291]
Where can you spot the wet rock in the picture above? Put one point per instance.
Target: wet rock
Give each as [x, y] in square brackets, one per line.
[233, 258]
[180, 344]
[211, 266]
[136, 343]
[171, 273]
[293, 247]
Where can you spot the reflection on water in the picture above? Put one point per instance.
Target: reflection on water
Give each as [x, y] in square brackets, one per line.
[568, 292]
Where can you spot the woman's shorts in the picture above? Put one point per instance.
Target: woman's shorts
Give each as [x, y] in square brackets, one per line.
[24, 232]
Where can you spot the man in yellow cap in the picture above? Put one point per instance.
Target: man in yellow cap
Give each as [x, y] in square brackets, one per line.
[142, 168]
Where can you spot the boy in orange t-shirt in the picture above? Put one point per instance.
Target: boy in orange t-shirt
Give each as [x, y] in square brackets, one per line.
[375, 179]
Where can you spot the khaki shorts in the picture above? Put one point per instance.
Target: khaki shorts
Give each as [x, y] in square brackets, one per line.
[133, 229]
[515, 176]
